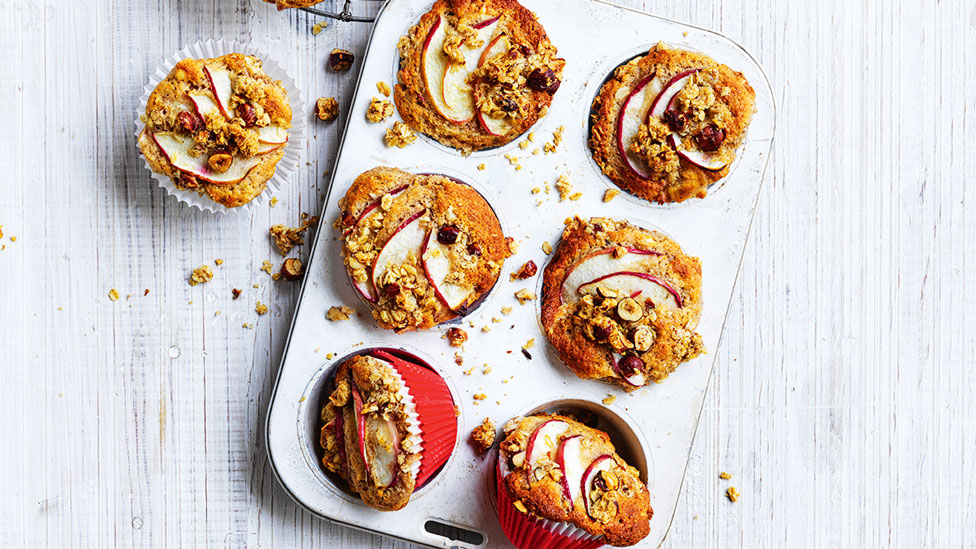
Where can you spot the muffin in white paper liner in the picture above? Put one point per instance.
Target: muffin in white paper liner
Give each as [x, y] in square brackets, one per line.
[296, 134]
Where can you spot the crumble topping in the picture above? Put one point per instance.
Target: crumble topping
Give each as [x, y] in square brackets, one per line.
[287, 238]
[337, 313]
[379, 110]
[201, 275]
[400, 135]
[483, 435]
[456, 336]
[326, 108]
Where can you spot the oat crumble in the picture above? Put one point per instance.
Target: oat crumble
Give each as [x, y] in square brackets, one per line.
[326, 108]
[261, 308]
[338, 313]
[379, 110]
[400, 135]
[201, 275]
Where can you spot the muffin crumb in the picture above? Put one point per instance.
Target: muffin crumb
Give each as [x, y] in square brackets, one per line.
[319, 27]
[524, 296]
[610, 400]
[483, 435]
[400, 135]
[456, 336]
[113, 294]
[201, 275]
[383, 88]
[724, 476]
[326, 108]
[610, 194]
[261, 308]
[379, 110]
[341, 312]
[732, 494]
[266, 266]
[286, 238]
[546, 248]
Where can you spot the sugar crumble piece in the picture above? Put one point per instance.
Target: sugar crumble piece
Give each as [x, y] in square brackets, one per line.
[329, 356]
[536, 190]
[481, 167]
[201, 275]
[485, 329]
[531, 137]
[379, 110]
[486, 371]
[286, 238]
[218, 262]
[274, 201]
[341, 312]
[319, 27]
[267, 267]
[113, 294]
[524, 145]
[732, 494]
[456, 336]
[261, 308]
[610, 399]
[257, 285]
[13, 239]
[247, 326]
[483, 436]
[383, 88]
[724, 476]
[610, 194]
[524, 296]
[495, 319]
[546, 248]
[469, 371]
[326, 108]
[506, 310]
[400, 135]
[529, 344]
[480, 396]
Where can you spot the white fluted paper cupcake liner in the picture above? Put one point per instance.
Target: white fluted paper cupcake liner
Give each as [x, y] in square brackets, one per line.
[296, 134]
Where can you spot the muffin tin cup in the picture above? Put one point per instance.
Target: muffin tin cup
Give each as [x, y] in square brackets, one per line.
[293, 150]
[505, 366]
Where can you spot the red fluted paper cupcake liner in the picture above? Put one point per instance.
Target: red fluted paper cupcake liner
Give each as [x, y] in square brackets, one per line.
[435, 410]
[528, 532]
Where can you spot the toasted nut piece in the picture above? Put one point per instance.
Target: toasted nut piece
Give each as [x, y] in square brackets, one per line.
[643, 338]
[518, 459]
[456, 336]
[341, 60]
[629, 309]
[526, 271]
[220, 162]
[605, 292]
[539, 473]
[610, 480]
[618, 342]
[521, 507]
[326, 108]
[291, 269]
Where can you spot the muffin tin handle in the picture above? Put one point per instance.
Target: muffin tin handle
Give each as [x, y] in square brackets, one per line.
[344, 15]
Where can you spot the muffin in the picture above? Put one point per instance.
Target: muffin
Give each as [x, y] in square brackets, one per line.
[553, 469]
[217, 127]
[420, 249]
[476, 73]
[620, 304]
[389, 425]
[285, 4]
[667, 124]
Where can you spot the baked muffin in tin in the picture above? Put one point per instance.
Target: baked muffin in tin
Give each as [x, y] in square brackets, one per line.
[285, 4]
[217, 127]
[419, 248]
[620, 303]
[667, 125]
[558, 469]
[476, 74]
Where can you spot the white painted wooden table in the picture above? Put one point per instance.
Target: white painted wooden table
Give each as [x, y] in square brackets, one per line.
[842, 401]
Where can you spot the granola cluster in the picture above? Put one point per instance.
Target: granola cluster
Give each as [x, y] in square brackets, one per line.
[504, 84]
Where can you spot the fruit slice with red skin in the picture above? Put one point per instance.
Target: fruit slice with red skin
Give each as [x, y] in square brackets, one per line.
[457, 91]
[340, 435]
[697, 158]
[176, 149]
[598, 264]
[637, 379]
[544, 440]
[407, 240]
[433, 65]
[204, 105]
[222, 87]
[383, 442]
[436, 258]
[602, 463]
[494, 126]
[632, 115]
[642, 285]
[570, 462]
[265, 148]
[357, 403]
[274, 135]
[371, 210]
[664, 100]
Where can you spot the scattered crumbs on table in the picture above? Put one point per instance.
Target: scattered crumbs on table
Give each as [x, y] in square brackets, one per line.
[113, 294]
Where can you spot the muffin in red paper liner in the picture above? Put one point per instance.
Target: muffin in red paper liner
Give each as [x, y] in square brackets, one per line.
[562, 484]
[374, 435]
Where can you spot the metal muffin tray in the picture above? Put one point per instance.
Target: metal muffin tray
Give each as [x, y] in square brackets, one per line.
[654, 426]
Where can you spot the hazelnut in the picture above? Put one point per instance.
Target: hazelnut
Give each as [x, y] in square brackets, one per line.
[539, 473]
[291, 269]
[341, 60]
[643, 338]
[474, 249]
[543, 80]
[676, 120]
[518, 459]
[629, 309]
[601, 333]
[711, 138]
[606, 293]
[456, 336]
[448, 234]
[326, 108]
[220, 162]
[526, 271]
[609, 480]
[391, 290]
[618, 342]
[630, 365]
[246, 113]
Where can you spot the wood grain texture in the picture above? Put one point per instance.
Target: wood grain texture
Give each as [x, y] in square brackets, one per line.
[843, 398]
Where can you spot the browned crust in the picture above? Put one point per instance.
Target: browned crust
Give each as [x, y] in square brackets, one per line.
[437, 194]
[410, 94]
[589, 359]
[545, 497]
[171, 95]
[666, 63]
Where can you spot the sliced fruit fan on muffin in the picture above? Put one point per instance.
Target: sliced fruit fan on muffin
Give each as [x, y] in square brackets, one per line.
[476, 73]
[620, 303]
[667, 124]
[420, 249]
[556, 468]
[218, 127]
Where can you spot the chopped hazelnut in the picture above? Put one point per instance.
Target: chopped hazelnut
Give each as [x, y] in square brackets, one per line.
[235, 292]
[456, 336]
[629, 309]
[341, 60]
[523, 296]
[220, 162]
[526, 271]
[291, 269]
[643, 338]
[113, 294]
[326, 108]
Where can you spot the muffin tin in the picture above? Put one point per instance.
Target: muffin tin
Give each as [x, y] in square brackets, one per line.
[456, 509]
